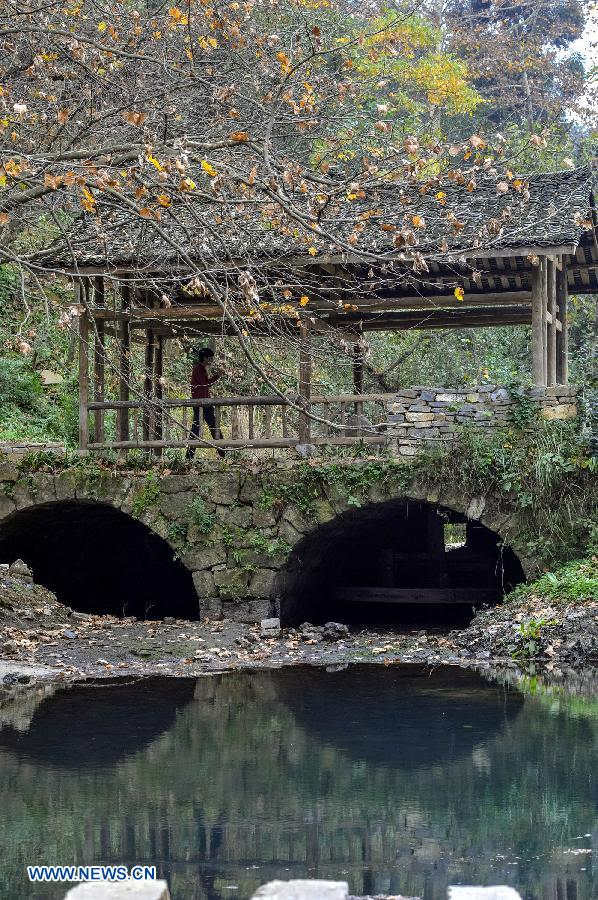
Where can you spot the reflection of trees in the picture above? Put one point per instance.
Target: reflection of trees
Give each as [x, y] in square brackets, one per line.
[240, 779]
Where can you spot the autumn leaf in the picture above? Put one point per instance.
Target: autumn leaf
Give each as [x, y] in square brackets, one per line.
[163, 199]
[419, 221]
[186, 184]
[4, 218]
[102, 26]
[304, 300]
[441, 197]
[239, 137]
[459, 293]
[208, 168]
[62, 116]
[154, 162]
[312, 251]
[145, 212]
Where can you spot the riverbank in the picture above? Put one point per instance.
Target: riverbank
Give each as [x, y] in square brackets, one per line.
[554, 634]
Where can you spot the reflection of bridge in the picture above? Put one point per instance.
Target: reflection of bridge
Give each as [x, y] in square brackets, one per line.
[246, 775]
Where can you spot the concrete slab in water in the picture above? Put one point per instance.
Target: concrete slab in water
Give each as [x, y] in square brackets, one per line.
[303, 890]
[122, 890]
[473, 892]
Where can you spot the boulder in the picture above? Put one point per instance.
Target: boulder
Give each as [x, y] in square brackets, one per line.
[20, 569]
[270, 628]
[334, 631]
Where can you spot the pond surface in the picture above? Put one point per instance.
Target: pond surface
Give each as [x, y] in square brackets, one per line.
[398, 779]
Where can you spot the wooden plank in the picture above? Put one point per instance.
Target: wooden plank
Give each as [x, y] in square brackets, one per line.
[562, 341]
[237, 445]
[99, 354]
[83, 371]
[537, 326]
[552, 316]
[418, 596]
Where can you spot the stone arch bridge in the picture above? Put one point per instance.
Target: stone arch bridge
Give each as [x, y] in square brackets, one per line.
[301, 541]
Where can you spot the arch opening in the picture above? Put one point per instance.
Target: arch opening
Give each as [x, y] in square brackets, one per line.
[401, 562]
[97, 559]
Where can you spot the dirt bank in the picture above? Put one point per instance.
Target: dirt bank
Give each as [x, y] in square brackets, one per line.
[550, 634]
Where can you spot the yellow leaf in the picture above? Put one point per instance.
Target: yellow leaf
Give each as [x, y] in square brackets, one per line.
[102, 26]
[2, 180]
[441, 197]
[459, 293]
[419, 221]
[304, 300]
[209, 168]
[312, 251]
[163, 199]
[186, 184]
[154, 162]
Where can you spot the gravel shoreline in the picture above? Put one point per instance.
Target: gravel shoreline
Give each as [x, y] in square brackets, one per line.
[43, 639]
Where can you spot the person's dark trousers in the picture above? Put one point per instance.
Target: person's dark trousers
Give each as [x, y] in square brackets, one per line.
[209, 417]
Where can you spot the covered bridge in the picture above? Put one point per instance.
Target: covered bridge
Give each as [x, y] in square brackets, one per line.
[473, 257]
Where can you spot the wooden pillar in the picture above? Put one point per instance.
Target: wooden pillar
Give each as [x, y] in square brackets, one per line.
[99, 355]
[544, 266]
[83, 370]
[358, 383]
[562, 337]
[551, 335]
[537, 326]
[305, 366]
[124, 361]
[158, 389]
[148, 384]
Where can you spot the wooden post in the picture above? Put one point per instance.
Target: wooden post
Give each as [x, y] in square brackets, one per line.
[358, 384]
[99, 355]
[83, 370]
[552, 332]
[158, 389]
[544, 265]
[148, 384]
[305, 365]
[537, 327]
[562, 336]
[124, 362]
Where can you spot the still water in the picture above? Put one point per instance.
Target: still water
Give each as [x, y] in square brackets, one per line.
[398, 779]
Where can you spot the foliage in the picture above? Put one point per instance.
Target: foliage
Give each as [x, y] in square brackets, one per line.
[147, 496]
[578, 580]
[200, 517]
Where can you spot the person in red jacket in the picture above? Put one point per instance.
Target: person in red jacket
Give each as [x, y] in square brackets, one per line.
[201, 379]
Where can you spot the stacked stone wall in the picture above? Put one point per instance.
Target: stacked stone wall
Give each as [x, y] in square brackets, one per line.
[425, 415]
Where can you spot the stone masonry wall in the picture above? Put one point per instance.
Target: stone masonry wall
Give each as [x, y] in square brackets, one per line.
[234, 525]
[424, 415]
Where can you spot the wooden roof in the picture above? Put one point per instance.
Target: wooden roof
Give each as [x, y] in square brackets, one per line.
[491, 255]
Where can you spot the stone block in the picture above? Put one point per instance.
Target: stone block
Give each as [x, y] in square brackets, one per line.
[500, 394]
[396, 418]
[204, 584]
[447, 398]
[560, 411]
[7, 505]
[206, 558]
[225, 489]
[424, 430]
[408, 393]
[428, 396]
[419, 416]
[472, 398]
[261, 585]
[247, 611]
[120, 890]
[473, 892]
[270, 628]
[303, 890]
[408, 450]
[419, 407]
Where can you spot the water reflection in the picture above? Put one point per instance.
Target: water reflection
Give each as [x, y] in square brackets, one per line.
[400, 779]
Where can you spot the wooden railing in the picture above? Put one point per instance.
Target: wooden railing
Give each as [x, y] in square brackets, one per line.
[243, 422]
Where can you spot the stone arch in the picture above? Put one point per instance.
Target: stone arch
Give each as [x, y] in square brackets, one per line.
[98, 558]
[387, 542]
